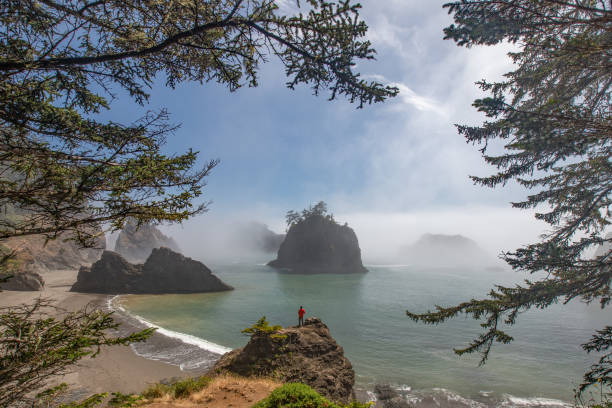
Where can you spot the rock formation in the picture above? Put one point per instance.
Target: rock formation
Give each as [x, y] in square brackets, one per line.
[136, 243]
[317, 244]
[23, 277]
[445, 250]
[59, 253]
[164, 271]
[307, 354]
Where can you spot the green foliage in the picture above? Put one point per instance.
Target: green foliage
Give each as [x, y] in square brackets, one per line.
[181, 388]
[62, 61]
[92, 401]
[296, 395]
[553, 116]
[262, 328]
[36, 346]
[119, 400]
[61, 169]
[318, 210]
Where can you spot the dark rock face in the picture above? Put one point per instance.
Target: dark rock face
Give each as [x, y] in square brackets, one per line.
[308, 354]
[319, 245]
[21, 268]
[136, 243]
[164, 272]
[111, 274]
[25, 281]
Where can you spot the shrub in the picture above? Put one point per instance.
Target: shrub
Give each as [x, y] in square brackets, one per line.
[296, 395]
[262, 327]
[182, 388]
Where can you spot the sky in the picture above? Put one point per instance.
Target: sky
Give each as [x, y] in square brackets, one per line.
[393, 171]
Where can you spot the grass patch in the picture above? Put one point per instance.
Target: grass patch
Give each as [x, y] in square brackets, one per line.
[296, 395]
[179, 389]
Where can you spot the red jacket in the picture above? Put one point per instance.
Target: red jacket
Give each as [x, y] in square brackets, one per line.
[301, 312]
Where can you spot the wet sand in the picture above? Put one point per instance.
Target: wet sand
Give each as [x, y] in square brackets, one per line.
[116, 368]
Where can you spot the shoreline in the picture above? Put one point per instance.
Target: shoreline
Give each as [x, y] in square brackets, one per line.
[116, 368]
[132, 369]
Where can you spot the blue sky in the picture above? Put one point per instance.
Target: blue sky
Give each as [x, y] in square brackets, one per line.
[395, 170]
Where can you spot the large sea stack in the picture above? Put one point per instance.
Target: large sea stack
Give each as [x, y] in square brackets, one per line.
[316, 243]
[307, 354]
[165, 271]
[135, 242]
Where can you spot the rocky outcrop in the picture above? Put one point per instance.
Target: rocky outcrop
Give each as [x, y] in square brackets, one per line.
[307, 354]
[23, 281]
[165, 271]
[317, 244]
[18, 272]
[135, 243]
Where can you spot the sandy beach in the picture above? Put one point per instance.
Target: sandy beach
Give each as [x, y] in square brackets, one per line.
[116, 368]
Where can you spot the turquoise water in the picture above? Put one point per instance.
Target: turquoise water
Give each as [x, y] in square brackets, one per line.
[366, 315]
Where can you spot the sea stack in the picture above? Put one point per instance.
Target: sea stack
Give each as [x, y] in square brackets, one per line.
[316, 243]
[165, 271]
[135, 242]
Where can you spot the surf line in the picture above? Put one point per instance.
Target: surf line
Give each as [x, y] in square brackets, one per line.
[114, 304]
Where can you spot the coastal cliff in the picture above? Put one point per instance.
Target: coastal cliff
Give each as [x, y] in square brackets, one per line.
[316, 243]
[165, 271]
[307, 354]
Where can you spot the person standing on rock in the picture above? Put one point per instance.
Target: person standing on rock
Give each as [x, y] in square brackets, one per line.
[301, 314]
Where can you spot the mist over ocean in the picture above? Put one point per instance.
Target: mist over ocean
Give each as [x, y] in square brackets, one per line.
[366, 315]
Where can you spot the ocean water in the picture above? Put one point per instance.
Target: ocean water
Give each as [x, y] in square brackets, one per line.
[366, 315]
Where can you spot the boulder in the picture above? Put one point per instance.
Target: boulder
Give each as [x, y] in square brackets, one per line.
[317, 244]
[135, 243]
[307, 354]
[164, 271]
[20, 272]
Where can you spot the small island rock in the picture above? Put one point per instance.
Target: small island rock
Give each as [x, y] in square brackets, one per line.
[316, 243]
[164, 272]
[307, 354]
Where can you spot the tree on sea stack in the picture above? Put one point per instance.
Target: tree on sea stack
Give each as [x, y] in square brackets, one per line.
[61, 62]
[553, 115]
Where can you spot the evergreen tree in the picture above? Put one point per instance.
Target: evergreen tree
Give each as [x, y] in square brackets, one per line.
[62, 170]
[553, 115]
[61, 60]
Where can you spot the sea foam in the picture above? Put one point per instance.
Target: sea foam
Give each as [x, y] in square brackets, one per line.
[115, 304]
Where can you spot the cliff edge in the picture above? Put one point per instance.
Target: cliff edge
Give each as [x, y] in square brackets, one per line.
[307, 354]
